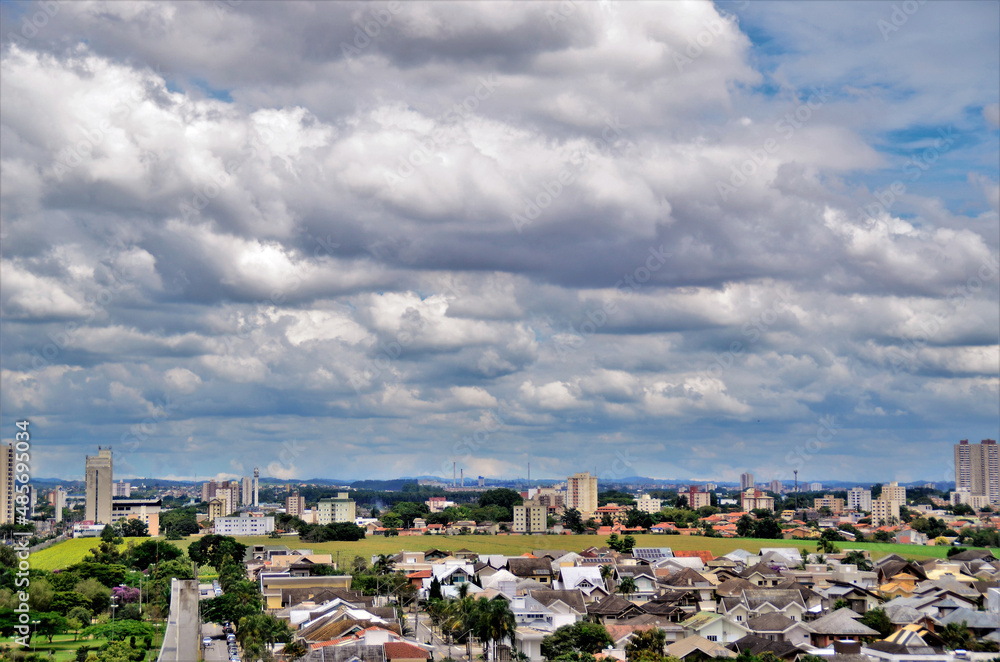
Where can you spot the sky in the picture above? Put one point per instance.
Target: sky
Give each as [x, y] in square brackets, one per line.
[679, 239]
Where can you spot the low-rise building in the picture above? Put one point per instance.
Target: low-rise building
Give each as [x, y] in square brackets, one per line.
[244, 525]
[530, 517]
[754, 499]
[647, 504]
[146, 511]
[827, 501]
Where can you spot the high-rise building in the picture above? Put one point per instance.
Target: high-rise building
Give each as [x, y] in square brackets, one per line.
[746, 481]
[836, 506]
[815, 487]
[295, 504]
[977, 468]
[776, 486]
[895, 493]
[530, 517]
[339, 509]
[859, 499]
[581, 493]
[256, 478]
[32, 500]
[6, 484]
[885, 511]
[246, 492]
[99, 477]
[57, 498]
[227, 491]
[696, 498]
[122, 489]
[754, 499]
[647, 504]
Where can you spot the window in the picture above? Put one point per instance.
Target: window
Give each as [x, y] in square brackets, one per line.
[712, 637]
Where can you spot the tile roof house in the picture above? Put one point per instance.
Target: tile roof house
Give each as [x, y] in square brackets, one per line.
[539, 570]
[841, 624]
[613, 608]
[698, 648]
[757, 646]
[714, 627]
[402, 651]
[778, 627]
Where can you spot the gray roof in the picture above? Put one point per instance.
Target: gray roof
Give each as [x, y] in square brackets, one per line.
[842, 621]
[772, 622]
[979, 620]
[902, 614]
[572, 599]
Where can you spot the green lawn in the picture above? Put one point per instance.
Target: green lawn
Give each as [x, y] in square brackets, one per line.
[72, 551]
[64, 648]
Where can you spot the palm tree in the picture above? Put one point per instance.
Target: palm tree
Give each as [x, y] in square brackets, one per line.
[627, 586]
[383, 565]
[295, 649]
[825, 546]
[502, 624]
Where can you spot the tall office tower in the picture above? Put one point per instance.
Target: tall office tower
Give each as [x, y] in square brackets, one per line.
[859, 499]
[6, 484]
[99, 479]
[256, 477]
[246, 492]
[581, 492]
[977, 468]
[746, 481]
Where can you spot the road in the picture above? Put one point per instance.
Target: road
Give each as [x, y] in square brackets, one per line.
[216, 651]
[423, 633]
[180, 641]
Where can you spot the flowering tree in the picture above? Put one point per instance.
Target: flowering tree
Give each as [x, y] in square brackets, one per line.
[125, 594]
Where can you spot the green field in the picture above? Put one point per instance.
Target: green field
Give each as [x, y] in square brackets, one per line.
[63, 647]
[73, 551]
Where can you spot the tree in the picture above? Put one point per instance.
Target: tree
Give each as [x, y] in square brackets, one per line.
[257, 633]
[109, 575]
[215, 550]
[825, 546]
[573, 520]
[149, 552]
[628, 544]
[64, 602]
[81, 615]
[98, 594]
[391, 520]
[435, 591]
[858, 559]
[580, 637]
[119, 630]
[383, 565]
[957, 636]
[746, 526]
[607, 572]
[295, 649]
[882, 536]
[833, 535]
[503, 497]
[767, 528]
[627, 586]
[646, 644]
[606, 520]
[877, 619]
[50, 624]
[132, 528]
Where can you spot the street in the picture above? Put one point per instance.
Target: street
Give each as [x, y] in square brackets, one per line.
[423, 633]
[216, 651]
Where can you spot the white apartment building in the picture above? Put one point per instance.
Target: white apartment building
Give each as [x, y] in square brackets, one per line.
[530, 517]
[244, 525]
[859, 499]
[647, 504]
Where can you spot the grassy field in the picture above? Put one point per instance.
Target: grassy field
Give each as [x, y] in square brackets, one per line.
[73, 551]
[63, 647]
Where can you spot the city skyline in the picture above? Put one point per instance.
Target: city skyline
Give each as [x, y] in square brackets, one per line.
[679, 239]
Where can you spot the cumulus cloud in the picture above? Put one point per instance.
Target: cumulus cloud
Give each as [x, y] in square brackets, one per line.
[560, 230]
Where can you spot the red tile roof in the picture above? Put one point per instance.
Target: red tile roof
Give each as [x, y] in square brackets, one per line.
[702, 554]
[395, 650]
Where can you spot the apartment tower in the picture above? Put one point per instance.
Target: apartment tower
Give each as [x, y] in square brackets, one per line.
[99, 472]
[581, 493]
[977, 468]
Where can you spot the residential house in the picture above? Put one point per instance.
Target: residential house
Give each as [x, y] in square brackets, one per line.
[613, 608]
[715, 627]
[778, 627]
[839, 625]
[540, 570]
